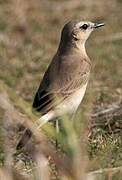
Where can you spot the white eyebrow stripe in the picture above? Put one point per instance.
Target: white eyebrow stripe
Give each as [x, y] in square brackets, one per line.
[80, 24]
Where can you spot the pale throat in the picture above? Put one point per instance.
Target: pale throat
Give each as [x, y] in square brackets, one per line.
[81, 48]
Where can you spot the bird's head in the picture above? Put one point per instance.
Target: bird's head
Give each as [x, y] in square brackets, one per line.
[77, 32]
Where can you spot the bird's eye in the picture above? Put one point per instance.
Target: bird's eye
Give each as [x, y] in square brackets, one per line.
[84, 26]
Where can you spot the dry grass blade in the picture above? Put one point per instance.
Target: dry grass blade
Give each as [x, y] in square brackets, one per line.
[107, 117]
[62, 162]
[42, 169]
[99, 174]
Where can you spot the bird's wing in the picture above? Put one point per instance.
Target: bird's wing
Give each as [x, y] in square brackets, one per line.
[43, 97]
[61, 80]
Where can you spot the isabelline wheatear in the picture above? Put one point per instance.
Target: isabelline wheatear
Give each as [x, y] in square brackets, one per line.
[64, 83]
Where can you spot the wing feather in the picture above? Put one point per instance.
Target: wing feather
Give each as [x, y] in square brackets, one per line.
[60, 85]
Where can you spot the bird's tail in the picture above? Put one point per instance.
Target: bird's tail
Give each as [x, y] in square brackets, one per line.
[28, 134]
[24, 139]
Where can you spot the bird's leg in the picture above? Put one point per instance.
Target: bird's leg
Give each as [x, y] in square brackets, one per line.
[57, 131]
[57, 126]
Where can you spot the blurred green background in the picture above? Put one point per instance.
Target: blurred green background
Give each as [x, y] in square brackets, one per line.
[29, 36]
[30, 33]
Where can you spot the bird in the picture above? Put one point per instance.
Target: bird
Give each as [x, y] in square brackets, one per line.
[65, 81]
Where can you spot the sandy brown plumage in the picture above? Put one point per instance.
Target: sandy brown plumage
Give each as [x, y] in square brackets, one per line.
[64, 83]
[65, 75]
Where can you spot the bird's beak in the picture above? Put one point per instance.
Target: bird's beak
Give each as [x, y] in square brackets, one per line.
[97, 25]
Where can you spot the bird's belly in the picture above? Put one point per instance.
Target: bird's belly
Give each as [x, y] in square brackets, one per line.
[76, 99]
[71, 104]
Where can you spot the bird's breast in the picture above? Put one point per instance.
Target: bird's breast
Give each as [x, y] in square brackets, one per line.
[71, 104]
